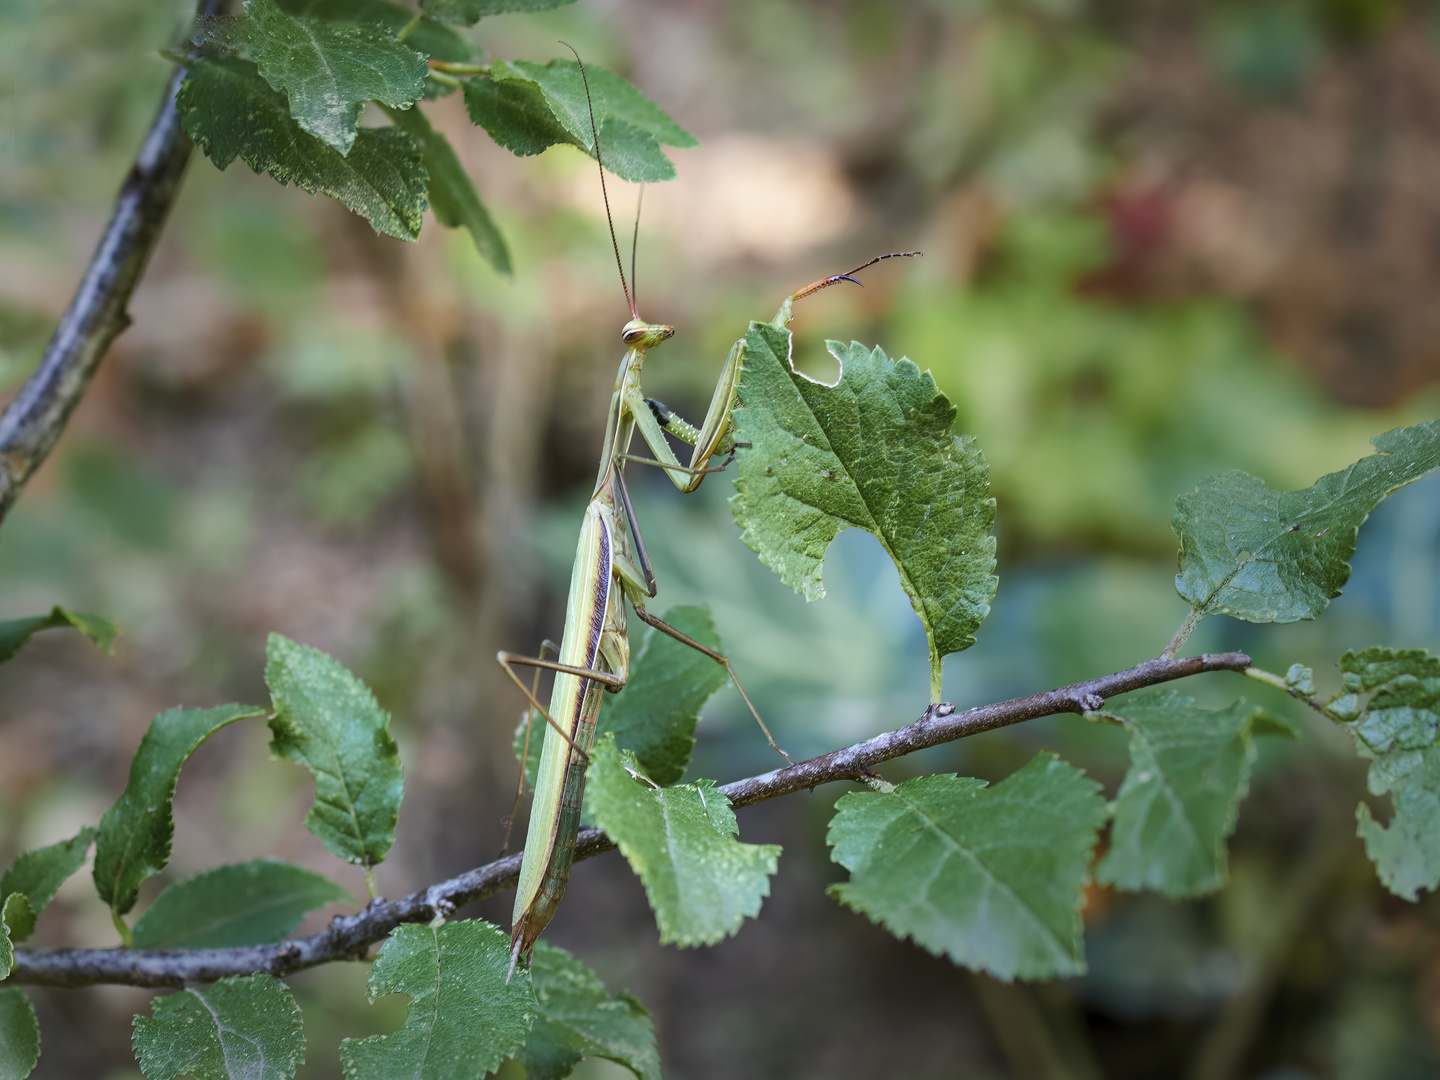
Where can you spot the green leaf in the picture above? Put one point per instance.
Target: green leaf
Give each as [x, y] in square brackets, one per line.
[579, 1019]
[453, 197]
[434, 39]
[328, 721]
[701, 881]
[133, 840]
[1279, 556]
[468, 12]
[1397, 731]
[528, 107]
[241, 1028]
[530, 761]
[230, 111]
[992, 877]
[15, 909]
[329, 70]
[17, 922]
[464, 1017]
[39, 873]
[19, 1035]
[873, 451]
[1189, 769]
[614, 98]
[655, 715]
[249, 903]
[1300, 679]
[14, 633]
[516, 114]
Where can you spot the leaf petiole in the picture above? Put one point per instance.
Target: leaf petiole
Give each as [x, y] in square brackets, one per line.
[1183, 634]
[456, 68]
[125, 936]
[1269, 678]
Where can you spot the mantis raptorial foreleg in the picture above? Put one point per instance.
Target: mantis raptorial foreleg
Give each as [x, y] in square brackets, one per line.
[715, 435]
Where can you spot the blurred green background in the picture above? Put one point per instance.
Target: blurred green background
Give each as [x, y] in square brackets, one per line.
[1161, 240]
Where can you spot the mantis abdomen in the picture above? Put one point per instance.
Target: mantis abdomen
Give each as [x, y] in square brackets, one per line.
[592, 626]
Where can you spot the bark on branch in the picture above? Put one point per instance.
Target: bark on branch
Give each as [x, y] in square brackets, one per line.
[350, 936]
[34, 421]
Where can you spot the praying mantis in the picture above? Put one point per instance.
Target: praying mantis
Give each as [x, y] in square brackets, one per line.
[612, 567]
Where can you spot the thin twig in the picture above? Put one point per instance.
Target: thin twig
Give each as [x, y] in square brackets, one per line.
[1269, 678]
[349, 937]
[33, 422]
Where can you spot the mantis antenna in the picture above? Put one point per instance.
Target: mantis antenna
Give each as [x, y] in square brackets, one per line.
[635, 246]
[604, 193]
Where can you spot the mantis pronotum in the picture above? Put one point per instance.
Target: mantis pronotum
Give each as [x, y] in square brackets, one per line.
[594, 651]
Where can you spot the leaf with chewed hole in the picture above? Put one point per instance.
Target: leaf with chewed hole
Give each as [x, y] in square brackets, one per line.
[464, 1017]
[873, 451]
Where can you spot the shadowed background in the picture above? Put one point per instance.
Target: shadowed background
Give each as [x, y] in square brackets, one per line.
[1161, 240]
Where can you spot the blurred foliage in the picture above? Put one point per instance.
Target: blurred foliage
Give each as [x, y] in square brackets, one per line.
[305, 425]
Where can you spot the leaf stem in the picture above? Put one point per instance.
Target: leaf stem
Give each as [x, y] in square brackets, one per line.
[458, 68]
[448, 80]
[1269, 678]
[350, 936]
[409, 28]
[125, 936]
[1183, 634]
[370, 885]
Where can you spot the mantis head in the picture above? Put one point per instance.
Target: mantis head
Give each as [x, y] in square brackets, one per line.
[638, 334]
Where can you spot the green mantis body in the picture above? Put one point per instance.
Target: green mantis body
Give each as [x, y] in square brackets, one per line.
[594, 651]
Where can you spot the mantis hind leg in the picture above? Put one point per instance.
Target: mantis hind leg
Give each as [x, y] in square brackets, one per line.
[605, 678]
[545, 646]
[665, 628]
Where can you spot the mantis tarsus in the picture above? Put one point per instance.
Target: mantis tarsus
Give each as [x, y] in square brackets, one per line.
[594, 651]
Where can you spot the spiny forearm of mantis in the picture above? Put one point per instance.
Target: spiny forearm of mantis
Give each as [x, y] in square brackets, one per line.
[349, 937]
